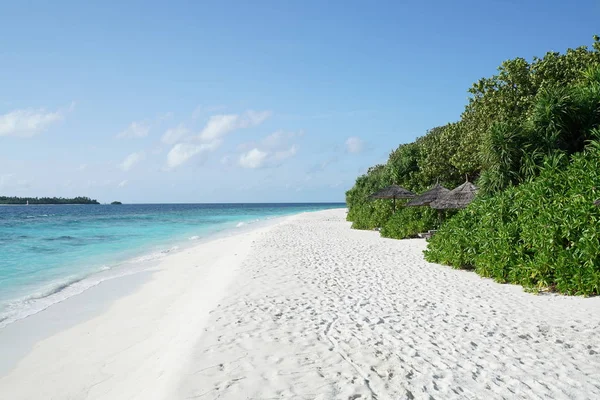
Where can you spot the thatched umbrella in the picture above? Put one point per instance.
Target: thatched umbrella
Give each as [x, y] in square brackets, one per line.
[393, 192]
[426, 198]
[459, 197]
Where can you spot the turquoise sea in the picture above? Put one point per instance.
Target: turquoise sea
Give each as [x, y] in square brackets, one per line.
[49, 253]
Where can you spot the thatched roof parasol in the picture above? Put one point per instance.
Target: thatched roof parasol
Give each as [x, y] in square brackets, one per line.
[597, 203]
[393, 192]
[459, 197]
[426, 198]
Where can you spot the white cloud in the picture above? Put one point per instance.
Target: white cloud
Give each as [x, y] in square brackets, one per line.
[123, 183]
[173, 135]
[182, 152]
[284, 154]
[28, 122]
[210, 137]
[271, 150]
[354, 145]
[320, 167]
[82, 167]
[220, 125]
[197, 112]
[254, 118]
[131, 160]
[253, 159]
[5, 179]
[165, 116]
[279, 138]
[135, 130]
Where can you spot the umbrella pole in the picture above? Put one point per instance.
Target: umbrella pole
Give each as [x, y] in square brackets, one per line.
[394, 205]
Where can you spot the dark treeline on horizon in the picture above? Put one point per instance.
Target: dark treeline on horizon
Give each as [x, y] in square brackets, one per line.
[47, 200]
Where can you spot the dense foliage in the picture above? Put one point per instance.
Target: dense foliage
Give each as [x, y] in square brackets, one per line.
[46, 200]
[522, 131]
[409, 221]
[541, 234]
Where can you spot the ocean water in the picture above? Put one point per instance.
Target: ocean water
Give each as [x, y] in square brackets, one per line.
[49, 253]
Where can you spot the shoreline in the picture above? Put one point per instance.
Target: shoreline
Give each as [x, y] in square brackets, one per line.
[309, 308]
[143, 259]
[98, 296]
[125, 321]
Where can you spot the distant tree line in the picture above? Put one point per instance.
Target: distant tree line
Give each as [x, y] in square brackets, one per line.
[47, 200]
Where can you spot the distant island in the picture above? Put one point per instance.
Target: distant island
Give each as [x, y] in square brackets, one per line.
[46, 200]
[116, 203]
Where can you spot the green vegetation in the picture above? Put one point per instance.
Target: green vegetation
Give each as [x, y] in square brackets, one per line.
[529, 140]
[409, 221]
[542, 234]
[46, 200]
[116, 203]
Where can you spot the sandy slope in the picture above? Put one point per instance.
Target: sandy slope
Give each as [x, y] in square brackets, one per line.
[310, 309]
[320, 311]
[138, 347]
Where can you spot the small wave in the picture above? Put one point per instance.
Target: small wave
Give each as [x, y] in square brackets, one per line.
[247, 222]
[65, 237]
[154, 256]
[194, 238]
[57, 292]
[35, 303]
[39, 249]
[53, 290]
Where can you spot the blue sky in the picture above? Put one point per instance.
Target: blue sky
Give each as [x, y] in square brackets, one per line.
[236, 101]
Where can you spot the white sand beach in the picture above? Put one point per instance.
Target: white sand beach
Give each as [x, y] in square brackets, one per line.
[309, 309]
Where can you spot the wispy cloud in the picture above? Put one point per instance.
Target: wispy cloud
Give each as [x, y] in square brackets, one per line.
[211, 136]
[354, 144]
[123, 183]
[30, 122]
[200, 110]
[220, 125]
[254, 158]
[182, 152]
[285, 154]
[5, 179]
[271, 151]
[173, 135]
[226, 160]
[131, 160]
[280, 138]
[137, 129]
[320, 167]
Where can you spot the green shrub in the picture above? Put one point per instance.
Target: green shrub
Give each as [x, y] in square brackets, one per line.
[371, 214]
[544, 234]
[408, 221]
